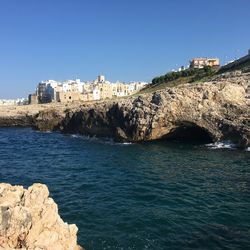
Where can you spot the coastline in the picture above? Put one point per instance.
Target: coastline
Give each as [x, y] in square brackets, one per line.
[209, 111]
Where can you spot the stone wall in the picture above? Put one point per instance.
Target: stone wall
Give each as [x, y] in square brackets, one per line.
[71, 97]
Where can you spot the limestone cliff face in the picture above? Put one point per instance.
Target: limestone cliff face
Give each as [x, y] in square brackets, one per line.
[48, 120]
[29, 220]
[44, 116]
[211, 111]
[206, 112]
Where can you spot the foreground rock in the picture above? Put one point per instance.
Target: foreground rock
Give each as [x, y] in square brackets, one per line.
[29, 220]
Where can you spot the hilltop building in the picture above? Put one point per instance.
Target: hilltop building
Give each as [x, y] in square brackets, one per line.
[200, 62]
[75, 90]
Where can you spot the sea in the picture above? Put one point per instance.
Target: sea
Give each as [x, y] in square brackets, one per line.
[151, 195]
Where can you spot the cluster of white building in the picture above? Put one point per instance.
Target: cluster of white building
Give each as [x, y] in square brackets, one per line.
[75, 90]
[19, 101]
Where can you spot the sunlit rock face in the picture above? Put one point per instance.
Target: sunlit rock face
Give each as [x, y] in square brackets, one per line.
[29, 219]
[203, 112]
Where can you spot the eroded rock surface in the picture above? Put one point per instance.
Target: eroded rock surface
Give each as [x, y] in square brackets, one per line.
[208, 111]
[29, 220]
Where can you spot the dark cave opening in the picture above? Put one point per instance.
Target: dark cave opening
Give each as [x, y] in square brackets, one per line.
[190, 133]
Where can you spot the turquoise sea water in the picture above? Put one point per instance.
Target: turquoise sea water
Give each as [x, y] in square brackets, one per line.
[156, 195]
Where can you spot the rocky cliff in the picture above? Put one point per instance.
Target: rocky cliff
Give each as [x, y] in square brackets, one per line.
[29, 220]
[205, 112]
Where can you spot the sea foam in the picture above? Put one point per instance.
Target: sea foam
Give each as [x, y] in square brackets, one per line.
[222, 145]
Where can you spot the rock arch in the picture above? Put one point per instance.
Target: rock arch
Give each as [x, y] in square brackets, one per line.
[189, 132]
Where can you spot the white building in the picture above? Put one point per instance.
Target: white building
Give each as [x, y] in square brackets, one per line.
[96, 94]
[48, 91]
[11, 102]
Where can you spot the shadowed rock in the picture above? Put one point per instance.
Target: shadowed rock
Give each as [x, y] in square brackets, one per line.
[202, 112]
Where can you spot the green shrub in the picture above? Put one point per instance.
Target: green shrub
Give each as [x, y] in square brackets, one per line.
[196, 74]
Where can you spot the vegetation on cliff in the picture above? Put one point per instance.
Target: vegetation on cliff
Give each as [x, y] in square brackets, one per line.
[217, 107]
[175, 78]
[195, 73]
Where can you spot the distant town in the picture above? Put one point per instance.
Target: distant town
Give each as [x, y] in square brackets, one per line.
[100, 89]
[18, 101]
[75, 90]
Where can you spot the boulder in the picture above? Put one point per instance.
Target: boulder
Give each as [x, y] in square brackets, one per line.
[29, 220]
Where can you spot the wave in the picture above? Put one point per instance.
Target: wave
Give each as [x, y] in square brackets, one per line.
[43, 132]
[102, 140]
[221, 145]
[126, 143]
[3, 141]
[75, 136]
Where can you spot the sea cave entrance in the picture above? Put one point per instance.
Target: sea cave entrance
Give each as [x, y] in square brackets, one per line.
[189, 133]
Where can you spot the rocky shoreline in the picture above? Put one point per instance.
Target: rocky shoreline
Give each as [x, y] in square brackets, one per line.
[29, 219]
[207, 112]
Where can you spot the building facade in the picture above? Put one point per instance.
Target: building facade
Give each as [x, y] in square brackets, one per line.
[14, 102]
[75, 90]
[32, 99]
[201, 62]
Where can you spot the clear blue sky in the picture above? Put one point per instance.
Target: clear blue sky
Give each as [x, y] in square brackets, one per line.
[123, 39]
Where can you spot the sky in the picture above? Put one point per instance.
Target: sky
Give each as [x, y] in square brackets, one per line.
[125, 40]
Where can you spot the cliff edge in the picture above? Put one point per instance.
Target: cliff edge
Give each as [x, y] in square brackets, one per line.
[29, 219]
[218, 109]
[203, 112]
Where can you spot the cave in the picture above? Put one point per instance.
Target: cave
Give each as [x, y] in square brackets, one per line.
[189, 133]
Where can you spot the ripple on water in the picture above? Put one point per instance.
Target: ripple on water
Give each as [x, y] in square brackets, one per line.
[137, 196]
